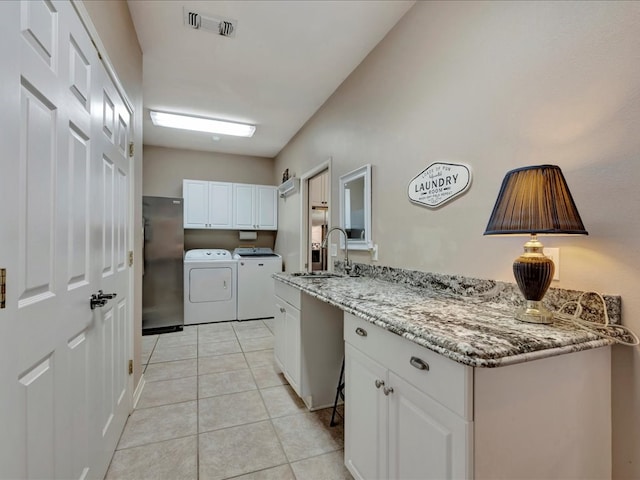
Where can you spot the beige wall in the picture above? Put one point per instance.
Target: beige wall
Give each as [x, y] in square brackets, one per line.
[497, 85]
[165, 168]
[113, 23]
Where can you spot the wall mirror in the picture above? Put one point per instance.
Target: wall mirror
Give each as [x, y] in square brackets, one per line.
[355, 208]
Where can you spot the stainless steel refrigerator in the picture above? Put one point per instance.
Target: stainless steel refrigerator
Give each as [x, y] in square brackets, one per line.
[162, 279]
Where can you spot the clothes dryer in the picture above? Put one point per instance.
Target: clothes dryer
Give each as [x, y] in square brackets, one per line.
[210, 282]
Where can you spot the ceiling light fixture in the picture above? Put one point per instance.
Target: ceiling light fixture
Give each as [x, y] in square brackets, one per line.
[200, 124]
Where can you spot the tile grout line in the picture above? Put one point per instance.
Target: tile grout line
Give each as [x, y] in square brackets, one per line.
[154, 442]
[129, 415]
[273, 427]
[153, 349]
[287, 461]
[197, 402]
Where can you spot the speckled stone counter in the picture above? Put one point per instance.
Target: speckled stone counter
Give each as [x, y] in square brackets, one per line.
[467, 320]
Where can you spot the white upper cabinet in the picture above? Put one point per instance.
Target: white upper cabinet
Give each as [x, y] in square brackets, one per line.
[266, 207]
[207, 204]
[318, 190]
[223, 205]
[196, 203]
[220, 205]
[255, 207]
[244, 198]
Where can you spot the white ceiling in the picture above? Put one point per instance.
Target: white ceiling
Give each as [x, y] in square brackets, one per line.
[286, 59]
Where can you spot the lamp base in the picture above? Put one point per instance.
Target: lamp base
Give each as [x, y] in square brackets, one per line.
[533, 272]
[534, 312]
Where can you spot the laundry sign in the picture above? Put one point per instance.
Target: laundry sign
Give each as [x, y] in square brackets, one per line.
[439, 183]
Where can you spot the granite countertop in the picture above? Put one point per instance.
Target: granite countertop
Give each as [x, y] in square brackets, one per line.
[477, 330]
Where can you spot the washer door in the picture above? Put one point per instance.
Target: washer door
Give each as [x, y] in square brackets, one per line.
[210, 284]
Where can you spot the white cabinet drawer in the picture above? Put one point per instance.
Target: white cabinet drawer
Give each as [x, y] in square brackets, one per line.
[288, 293]
[446, 381]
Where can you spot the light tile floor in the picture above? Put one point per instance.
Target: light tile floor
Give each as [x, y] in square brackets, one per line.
[215, 407]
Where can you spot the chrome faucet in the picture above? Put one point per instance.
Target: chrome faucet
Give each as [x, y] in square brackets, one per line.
[347, 264]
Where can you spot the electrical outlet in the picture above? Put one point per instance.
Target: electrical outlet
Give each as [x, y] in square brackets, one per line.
[334, 249]
[554, 254]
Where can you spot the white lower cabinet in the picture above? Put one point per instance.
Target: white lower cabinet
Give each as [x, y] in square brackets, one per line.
[413, 414]
[287, 341]
[366, 433]
[394, 428]
[426, 440]
[278, 332]
[308, 345]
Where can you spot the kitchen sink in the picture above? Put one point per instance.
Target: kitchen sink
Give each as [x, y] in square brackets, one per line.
[316, 274]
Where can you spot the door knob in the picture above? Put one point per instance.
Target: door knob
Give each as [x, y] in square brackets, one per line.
[107, 296]
[387, 390]
[100, 299]
[379, 383]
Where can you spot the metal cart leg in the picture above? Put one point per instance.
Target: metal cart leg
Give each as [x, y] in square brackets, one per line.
[339, 394]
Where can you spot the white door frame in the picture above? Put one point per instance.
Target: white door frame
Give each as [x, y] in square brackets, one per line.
[304, 210]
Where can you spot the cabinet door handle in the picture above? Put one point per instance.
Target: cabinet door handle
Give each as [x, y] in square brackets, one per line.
[379, 383]
[282, 310]
[361, 331]
[419, 363]
[387, 390]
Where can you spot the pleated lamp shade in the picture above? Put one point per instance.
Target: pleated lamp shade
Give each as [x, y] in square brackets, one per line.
[535, 200]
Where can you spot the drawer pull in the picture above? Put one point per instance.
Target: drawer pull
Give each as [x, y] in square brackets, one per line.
[379, 383]
[387, 390]
[361, 331]
[419, 363]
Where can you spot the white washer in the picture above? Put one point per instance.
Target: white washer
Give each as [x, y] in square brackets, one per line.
[255, 282]
[210, 284]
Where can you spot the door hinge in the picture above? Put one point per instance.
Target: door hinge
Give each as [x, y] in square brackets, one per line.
[131, 258]
[131, 149]
[130, 367]
[3, 287]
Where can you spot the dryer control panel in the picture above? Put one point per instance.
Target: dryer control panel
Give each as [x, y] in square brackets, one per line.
[207, 254]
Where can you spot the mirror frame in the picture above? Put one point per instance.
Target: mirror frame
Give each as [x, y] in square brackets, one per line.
[365, 173]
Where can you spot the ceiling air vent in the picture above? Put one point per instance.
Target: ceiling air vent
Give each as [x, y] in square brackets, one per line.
[225, 27]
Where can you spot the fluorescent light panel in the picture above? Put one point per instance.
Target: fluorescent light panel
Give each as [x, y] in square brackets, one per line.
[199, 124]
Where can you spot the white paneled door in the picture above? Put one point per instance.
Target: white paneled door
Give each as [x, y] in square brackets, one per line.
[64, 234]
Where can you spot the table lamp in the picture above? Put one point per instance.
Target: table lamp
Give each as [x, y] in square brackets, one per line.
[534, 201]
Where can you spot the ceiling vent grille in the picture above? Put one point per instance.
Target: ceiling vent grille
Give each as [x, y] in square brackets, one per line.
[225, 27]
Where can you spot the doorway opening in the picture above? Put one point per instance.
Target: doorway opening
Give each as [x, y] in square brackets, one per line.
[315, 216]
[318, 220]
